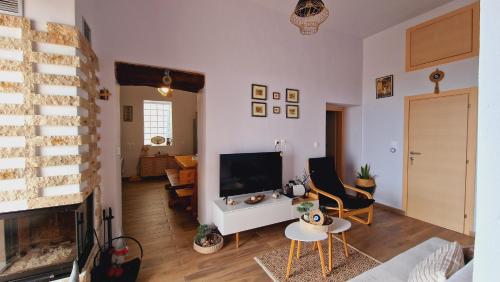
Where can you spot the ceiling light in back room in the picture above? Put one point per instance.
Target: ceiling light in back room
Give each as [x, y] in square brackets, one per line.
[166, 88]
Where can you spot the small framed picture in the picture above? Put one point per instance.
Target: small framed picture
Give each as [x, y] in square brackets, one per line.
[128, 113]
[292, 111]
[259, 109]
[259, 92]
[276, 95]
[384, 86]
[292, 95]
[276, 110]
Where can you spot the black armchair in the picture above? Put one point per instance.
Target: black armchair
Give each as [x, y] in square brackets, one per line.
[332, 192]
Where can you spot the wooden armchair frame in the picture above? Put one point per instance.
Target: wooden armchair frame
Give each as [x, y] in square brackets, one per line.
[343, 212]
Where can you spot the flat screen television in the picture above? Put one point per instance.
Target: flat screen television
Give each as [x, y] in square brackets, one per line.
[250, 173]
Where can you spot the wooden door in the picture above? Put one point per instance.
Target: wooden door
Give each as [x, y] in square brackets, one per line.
[334, 137]
[331, 146]
[437, 160]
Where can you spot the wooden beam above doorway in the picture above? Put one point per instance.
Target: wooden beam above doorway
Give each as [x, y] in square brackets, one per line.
[142, 75]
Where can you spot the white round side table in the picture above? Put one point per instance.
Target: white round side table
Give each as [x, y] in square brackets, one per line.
[296, 232]
[339, 225]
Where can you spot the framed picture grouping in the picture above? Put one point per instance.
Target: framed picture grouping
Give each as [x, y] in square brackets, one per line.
[292, 111]
[259, 92]
[384, 86]
[259, 109]
[292, 95]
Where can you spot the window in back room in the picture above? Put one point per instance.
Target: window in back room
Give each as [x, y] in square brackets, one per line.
[157, 120]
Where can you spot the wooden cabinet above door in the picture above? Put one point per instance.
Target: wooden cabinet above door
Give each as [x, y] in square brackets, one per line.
[450, 37]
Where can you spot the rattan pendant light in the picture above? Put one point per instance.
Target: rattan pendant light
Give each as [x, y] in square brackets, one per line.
[165, 89]
[308, 15]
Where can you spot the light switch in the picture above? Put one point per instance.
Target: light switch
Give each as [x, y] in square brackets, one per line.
[393, 147]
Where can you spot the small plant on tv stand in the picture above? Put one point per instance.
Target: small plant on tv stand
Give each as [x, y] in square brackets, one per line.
[304, 179]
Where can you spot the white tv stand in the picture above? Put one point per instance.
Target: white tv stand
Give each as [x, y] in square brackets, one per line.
[232, 219]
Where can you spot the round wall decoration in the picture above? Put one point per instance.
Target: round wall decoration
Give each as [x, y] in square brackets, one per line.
[316, 217]
[157, 140]
[436, 76]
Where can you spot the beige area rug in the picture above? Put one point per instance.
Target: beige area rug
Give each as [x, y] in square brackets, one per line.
[308, 267]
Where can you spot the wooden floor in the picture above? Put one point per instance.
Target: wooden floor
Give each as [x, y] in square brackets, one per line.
[167, 237]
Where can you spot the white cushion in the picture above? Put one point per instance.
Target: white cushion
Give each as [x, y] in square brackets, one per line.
[464, 274]
[399, 267]
[440, 265]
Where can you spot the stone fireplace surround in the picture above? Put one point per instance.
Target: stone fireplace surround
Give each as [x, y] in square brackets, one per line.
[48, 123]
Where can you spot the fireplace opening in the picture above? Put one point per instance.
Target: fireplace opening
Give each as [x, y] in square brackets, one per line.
[45, 242]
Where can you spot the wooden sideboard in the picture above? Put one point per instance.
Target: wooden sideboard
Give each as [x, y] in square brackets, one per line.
[156, 165]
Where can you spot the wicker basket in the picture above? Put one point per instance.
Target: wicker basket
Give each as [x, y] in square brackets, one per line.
[323, 228]
[211, 249]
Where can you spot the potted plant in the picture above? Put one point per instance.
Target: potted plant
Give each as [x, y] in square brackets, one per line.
[364, 179]
[207, 241]
[304, 209]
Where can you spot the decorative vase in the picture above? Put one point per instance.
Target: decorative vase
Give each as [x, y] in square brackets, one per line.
[210, 249]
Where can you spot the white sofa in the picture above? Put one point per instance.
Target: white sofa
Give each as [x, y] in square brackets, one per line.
[398, 268]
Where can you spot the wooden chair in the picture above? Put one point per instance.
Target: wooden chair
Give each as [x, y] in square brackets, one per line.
[332, 192]
[180, 187]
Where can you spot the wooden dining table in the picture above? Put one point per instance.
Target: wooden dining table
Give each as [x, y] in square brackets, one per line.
[186, 161]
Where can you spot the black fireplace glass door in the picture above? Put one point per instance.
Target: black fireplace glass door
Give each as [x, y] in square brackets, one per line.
[36, 241]
[11, 243]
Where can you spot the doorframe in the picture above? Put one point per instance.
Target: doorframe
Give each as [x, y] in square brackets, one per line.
[339, 155]
[470, 177]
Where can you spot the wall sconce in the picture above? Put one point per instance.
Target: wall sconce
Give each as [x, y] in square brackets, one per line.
[104, 94]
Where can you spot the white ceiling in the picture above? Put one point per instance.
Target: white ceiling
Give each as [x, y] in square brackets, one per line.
[363, 18]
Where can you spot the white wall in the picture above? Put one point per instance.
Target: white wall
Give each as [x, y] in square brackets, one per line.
[384, 54]
[110, 109]
[487, 249]
[352, 142]
[132, 138]
[57, 11]
[235, 45]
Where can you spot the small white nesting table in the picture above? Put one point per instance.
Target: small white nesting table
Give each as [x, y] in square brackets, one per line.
[296, 232]
[339, 225]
